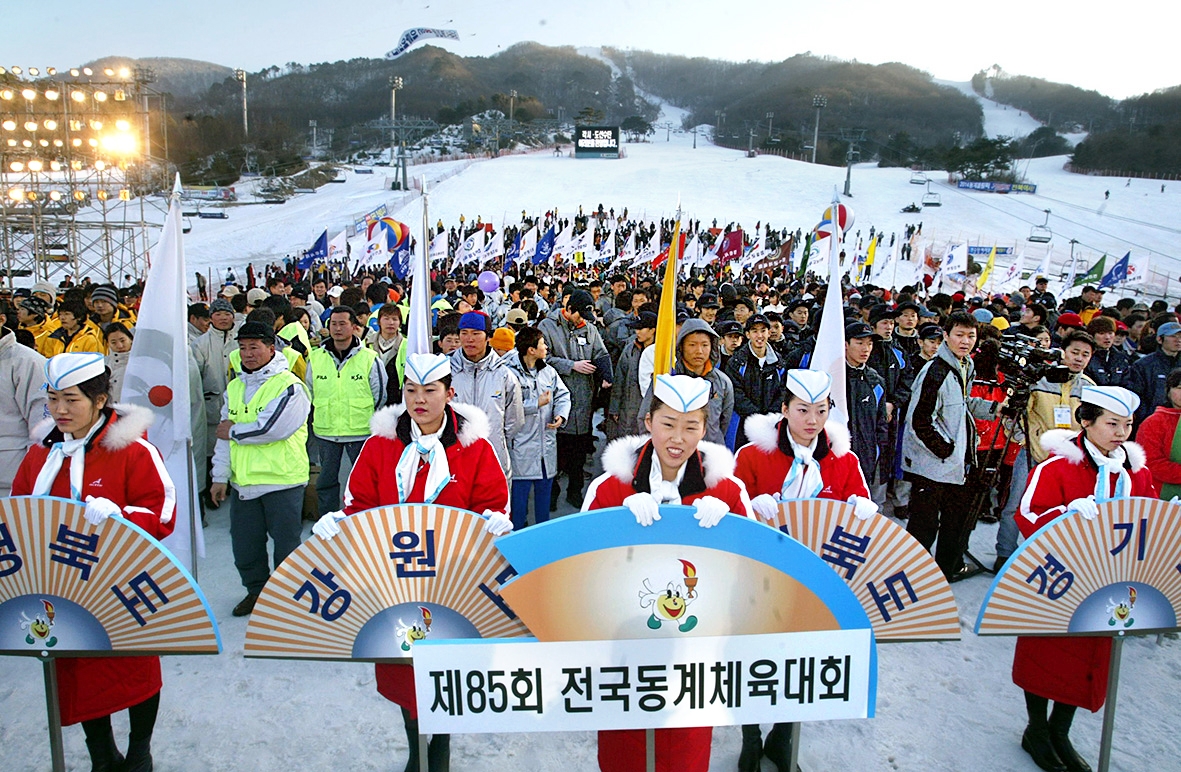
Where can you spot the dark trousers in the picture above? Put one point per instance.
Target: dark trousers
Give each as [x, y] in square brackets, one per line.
[939, 509]
[328, 483]
[142, 717]
[278, 515]
[572, 452]
[520, 501]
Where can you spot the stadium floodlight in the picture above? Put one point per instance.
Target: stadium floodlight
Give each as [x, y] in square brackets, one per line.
[34, 71]
[29, 94]
[9, 125]
[100, 96]
[51, 71]
[87, 71]
[35, 165]
[50, 124]
[78, 96]
[52, 94]
[16, 194]
[7, 94]
[124, 73]
[16, 70]
[16, 166]
[31, 125]
[75, 72]
[109, 72]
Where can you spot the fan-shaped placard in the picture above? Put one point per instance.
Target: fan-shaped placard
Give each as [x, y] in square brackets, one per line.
[68, 587]
[1120, 572]
[600, 576]
[898, 583]
[393, 575]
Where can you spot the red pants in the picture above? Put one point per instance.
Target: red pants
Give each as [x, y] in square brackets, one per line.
[677, 750]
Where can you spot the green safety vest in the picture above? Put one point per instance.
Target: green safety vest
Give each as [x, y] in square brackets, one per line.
[342, 398]
[284, 462]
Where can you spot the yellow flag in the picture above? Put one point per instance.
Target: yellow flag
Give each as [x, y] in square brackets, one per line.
[666, 319]
[987, 269]
[873, 248]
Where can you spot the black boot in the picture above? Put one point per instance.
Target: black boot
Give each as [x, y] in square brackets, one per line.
[752, 748]
[1036, 739]
[1060, 720]
[411, 740]
[104, 754]
[438, 755]
[554, 492]
[139, 757]
[778, 747]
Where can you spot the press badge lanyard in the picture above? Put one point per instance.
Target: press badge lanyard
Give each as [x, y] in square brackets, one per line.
[1062, 416]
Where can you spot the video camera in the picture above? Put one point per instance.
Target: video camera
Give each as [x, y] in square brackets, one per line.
[1024, 363]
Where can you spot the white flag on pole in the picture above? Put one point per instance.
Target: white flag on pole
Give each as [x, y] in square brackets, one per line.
[158, 378]
[494, 249]
[338, 247]
[693, 254]
[528, 247]
[376, 249]
[438, 249]
[607, 246]
[829, 353]
[956, 260]
[628, 251]
[1014, 271]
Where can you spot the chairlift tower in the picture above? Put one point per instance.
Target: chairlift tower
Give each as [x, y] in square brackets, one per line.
[854, 137]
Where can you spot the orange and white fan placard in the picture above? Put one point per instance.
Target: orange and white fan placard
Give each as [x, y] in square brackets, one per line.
[71, 588]
[897, 582]
[1119, 573]
[393, 576]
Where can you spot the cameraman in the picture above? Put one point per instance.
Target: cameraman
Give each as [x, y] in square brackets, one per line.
[1051, 406]
[939, 442]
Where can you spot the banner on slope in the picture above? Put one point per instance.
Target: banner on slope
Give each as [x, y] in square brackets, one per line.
[1113, 575]
[897, 582]
[415, 34]
[393, 577]
[70, 588]
[570, 686]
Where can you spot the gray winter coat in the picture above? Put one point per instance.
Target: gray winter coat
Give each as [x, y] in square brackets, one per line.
[721, 393]
[625, 393]
[212, 354]
[534, 451]
[568, 345]
[493, 388]
[22, 403]
[939, 439]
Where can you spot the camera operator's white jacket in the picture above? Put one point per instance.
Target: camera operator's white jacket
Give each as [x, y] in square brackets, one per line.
[939, 439]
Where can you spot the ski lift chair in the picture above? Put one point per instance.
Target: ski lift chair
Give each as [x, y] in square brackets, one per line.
[1041, 234]
[918, 178]
[931, 199]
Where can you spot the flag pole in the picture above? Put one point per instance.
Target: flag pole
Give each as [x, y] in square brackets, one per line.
[194, 507]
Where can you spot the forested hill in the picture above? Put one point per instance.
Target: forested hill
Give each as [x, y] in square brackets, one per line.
[900, 107]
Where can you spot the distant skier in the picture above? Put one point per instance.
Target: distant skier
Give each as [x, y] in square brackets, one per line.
[1106, 194]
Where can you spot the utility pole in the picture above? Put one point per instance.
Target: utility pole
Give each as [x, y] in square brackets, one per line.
[854, 137]
[395, 159]
[241, 76]
[770, 119]
[819, 102]
[512, 103]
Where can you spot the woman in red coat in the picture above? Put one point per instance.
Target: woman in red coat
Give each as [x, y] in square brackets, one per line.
[427, 450]
[1158, 436]
[97, 453]
[670, 466]
[796, 454]
[1095, 465]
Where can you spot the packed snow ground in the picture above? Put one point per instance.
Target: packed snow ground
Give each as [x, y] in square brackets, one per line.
[943, 707]
[717, 183]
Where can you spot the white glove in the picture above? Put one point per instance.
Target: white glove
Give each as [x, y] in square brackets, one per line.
[328, 526]
[863, 508]
[644, 506]
[99, 509]
[1085, 507]
[765, 506]
[710, 511]
[497, 523]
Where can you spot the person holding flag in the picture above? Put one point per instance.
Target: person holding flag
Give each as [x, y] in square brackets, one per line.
[95, 452]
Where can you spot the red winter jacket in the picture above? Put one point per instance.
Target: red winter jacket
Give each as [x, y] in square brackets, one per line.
[1155, 435]
[764, 462]
[477, 483]
[1072, 670]
[627, 462]
[121, 465]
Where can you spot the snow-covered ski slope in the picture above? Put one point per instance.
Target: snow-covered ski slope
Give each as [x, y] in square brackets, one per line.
[717, 183]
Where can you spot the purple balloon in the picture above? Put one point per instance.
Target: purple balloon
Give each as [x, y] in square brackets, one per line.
[488, 281]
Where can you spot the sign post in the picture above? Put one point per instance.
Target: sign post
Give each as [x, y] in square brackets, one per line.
[1112, 576]
[72, 589]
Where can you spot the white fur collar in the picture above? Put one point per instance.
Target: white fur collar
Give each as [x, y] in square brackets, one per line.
[132, 423]
[475, 422]
[621, 456]
[763, 433]
[1060, 442]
